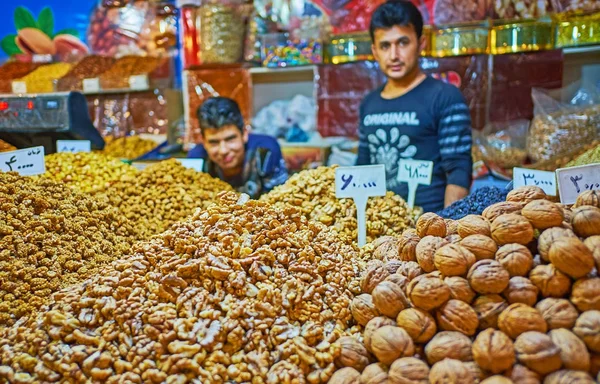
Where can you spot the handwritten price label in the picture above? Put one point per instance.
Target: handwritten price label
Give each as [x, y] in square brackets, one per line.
[195, 164]
[576, 180]
[359, 183]
[414, 172]
[27, 162]
[91, 85]
[523, 177]
[19, 87]
[139, 82]
[73, 146]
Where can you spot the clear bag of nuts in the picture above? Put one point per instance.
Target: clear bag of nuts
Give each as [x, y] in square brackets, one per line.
[504, 143]
[221, 31]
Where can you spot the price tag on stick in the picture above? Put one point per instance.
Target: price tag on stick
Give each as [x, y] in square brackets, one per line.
[414, 172]
[576, 180]
[523, 177]
[73, 146]
[359, 183]
[26, 162]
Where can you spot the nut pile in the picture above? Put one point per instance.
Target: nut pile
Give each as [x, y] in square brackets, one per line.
[512, 292]
[6, 147]
[313, 192]
[239, 293]
[162, 194]
[13, 70]
[51, 237]
[86, 172]
[42, 79]
[474, 204]
[89, 67]
[127, 147]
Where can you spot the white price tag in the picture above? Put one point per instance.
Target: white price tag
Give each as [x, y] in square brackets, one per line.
[19, 87]
[523, 177]
[91, 85]
[139, 82]
[359, 183]
[41, 58]
[576, 180]
[195, 164]
[140, 166]
[26, 162]
[73, 146]
[414, 172]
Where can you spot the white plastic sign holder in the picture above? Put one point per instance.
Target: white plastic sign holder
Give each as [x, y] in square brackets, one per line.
[414, 172]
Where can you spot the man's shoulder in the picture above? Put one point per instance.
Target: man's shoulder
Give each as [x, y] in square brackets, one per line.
[372, 96]
[444, 92]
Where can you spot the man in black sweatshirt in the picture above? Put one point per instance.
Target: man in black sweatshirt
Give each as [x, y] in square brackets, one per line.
[414, 116]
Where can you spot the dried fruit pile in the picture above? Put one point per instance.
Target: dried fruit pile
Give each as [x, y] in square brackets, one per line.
[51, 237]
[313, 192]
[513, 292]
[474, 204]
[162, 194]
[86, 172]
[128, 147]
[240, 292]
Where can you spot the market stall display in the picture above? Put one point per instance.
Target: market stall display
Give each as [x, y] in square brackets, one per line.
[313, 192]
[89, 67]
[52, 237]
[474, 204]
[14, 70]
[590, 157]
[179, 305]
[42, 79]
[127, 147]
[5, 147]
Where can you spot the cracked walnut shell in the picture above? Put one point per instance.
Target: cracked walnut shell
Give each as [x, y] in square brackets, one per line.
[373, 325]
[587, 327]
[483, 247]
[428, 292]
[457, 316]
[473, 225]
[430, 224]
[550, 281]
[558, 313]
[526, 194]
[389, 299]
[573, 352]
[548, 237]
[408, 370]
[521, 290]
[519, 318]
[420, 325]
[390, 343]
[363, 309]
[511, 228]
[493, 351]
[488, 276]
[352, 354]
[538, 352]
[488, 308]
[450, 371]
[460, 289]
[572, 257]
[426, 250]
[515, 258]
[449, 345]
[586, 221]
[585, 294]
[453, 260]
[543, 214]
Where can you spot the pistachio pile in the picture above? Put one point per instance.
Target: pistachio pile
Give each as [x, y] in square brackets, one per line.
[161, 195]
[240, 292]
[313, 192]
[509, 296]
[127, 147]
[590, 157]
[86, 172]
[51, 237]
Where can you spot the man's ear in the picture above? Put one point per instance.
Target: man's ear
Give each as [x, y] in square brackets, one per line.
[422, 43]
[374, 51]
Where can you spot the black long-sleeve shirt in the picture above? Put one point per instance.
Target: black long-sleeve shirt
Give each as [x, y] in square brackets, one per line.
[430, 122]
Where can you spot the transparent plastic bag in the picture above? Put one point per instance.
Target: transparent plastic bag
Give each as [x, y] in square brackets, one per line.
[503, 144]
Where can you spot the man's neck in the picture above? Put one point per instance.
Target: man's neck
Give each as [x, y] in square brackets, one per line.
[398, 87]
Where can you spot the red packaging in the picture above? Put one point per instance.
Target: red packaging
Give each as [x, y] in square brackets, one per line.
[347, 16]
[189, 37]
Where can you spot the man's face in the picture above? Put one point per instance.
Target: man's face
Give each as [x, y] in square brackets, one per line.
[225, 147]
[397, 50]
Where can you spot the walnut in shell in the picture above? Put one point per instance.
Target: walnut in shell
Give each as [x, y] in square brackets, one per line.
[483, 247]
[363, 309]
[430, 224]
[410, 269]
[573, 352]
[420, 325]
[345, 376]
[594, 364]
[521, 290]
[526, 194]
[488, 276]
[493, 351]
[386, 248]
[572, 257]
[488, 309]
[593, 244]
[586, 294]
[390, 343]
[457, 316]
[460, 289]
[521, 374]
[389, 299]
[587, 327]
[373, 325]
[550, 281]
[408, 245]
[548, 237]
[537, 352]
[428, 292]
[453, 239]
[511, 228]
[515, 258]
[519, 318]
[392, 266]
[476, 372]
[399, 280]
[502, 208]
[453, 260]
[497, 379]
[450, 371]
[586, 221]
[473, 225]
[591, 198]
[543, 214]
[566, 376]
[449, 345]
[352, 354]
[451, 227]
[408, 370]
[374, 274]
[558, 313]
[374, 374]
[426, 250]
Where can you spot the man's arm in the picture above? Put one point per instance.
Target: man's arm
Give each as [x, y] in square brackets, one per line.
[454, 193]
[363, 144]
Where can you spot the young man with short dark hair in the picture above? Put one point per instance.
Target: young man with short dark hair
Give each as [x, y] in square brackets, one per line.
[414, 116]
[251, 163]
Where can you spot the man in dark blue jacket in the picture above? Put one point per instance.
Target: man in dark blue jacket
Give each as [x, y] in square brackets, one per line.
[414, 116]
[251, 163]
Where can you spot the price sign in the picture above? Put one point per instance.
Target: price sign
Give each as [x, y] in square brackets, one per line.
[19, 87]
[26, 162]
[576, 180]
[41, 58]
[91, 85]
[195, 164]
[414, 172]
[523, 177]
[73, 146]
[359, 183]
[139, 82]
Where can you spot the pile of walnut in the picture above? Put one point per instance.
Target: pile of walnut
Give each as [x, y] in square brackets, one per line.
[86, 172]
[509, 296]
[313, 192]
[162, 194]
[51, 237]
[239, 293]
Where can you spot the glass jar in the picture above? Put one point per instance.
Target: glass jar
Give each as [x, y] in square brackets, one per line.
[511, 36]
[460, 39]
[221, 33]
[575, 30]
[347, 48]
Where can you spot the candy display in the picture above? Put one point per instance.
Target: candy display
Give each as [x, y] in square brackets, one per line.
[88, 67]
[474, 204]
[522, 36]
[42, 79]
[127, 147]
[221, 33]
[279, 50]
[576, 30]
